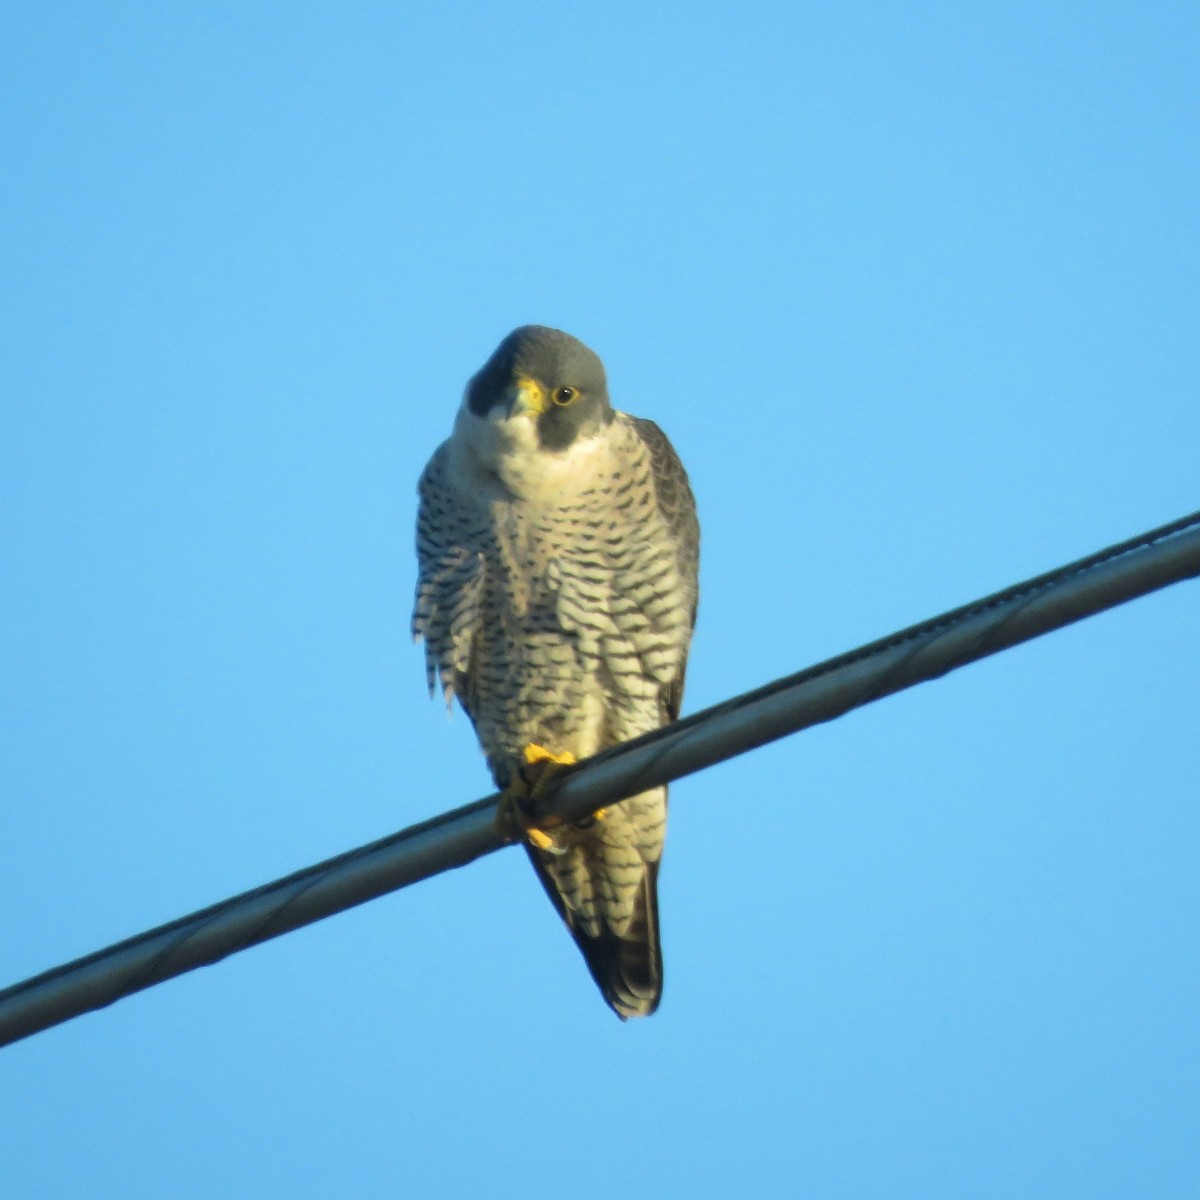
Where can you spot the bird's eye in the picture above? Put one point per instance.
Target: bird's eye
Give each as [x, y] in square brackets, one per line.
[564, 395]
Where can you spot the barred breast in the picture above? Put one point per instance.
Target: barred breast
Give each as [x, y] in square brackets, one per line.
[560, 622]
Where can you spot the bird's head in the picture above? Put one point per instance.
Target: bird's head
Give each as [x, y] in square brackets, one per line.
[542, 387]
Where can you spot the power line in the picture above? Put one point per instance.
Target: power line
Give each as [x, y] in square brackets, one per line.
[1104, 580]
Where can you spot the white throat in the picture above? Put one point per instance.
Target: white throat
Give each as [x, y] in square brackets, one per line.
[501, 458]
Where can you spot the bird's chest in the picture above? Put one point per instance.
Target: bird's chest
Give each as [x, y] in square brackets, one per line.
[532, 552]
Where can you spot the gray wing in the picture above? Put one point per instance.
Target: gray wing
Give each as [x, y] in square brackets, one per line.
[678, 508]
[450, 582]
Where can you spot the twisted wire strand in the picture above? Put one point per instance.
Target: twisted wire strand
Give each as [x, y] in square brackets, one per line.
[1025, 610]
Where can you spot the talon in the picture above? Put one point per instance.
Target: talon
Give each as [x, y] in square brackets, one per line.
[512, 822]
[512, 825]
[544, 766]
[543, 841]
[601, 814]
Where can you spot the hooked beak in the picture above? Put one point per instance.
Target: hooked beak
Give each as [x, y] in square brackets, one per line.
[525, 396]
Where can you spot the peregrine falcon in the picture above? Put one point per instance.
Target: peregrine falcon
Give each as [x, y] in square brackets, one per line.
[558, 549]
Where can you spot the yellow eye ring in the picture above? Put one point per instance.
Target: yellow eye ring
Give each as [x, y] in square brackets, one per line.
[564, 395]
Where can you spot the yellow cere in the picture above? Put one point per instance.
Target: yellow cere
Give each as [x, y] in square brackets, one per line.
[531, 396]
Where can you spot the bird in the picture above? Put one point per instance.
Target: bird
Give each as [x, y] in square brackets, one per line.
[558, 554]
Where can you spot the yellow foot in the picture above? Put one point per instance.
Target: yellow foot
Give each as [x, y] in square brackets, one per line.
[545, 766]
[539, 754]
[512, 821]
[543, 841]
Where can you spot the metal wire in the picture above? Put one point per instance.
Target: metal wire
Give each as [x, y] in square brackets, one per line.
[820, 693]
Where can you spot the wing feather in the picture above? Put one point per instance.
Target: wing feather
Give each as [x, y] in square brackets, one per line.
[677, 506]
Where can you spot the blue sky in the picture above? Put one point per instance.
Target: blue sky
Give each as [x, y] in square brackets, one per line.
[915, 292]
